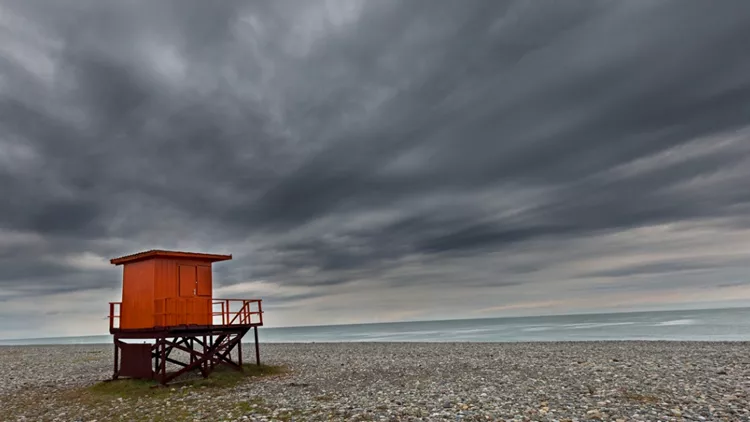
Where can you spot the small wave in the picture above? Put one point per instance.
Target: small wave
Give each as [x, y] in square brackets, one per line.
[387, 334]
[585, 325]
[536, 329]
[676, 322]
[479, 330]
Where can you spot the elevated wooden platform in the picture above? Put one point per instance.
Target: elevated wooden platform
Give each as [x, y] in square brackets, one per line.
[204, 347]
[173, 312]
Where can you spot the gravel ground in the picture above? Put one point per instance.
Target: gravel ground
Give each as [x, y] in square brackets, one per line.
[650, 381]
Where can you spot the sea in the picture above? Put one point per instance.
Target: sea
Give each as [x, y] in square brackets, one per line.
[689, 325]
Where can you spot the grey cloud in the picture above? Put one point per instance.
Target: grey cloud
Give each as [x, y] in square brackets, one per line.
[654, 269]
[275, 301]
[480, 128]
[740, 283]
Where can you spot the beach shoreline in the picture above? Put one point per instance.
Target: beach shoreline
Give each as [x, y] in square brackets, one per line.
[544, 381]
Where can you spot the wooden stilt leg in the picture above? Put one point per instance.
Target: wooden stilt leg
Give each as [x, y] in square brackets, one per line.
[257, 347]
[163, 360]
[205, 364]
[117, 360]
[239, 354]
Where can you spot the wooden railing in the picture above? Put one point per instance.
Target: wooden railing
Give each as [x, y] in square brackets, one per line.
[195, 311]
[174, 311]
[243, 316]
[115, 308]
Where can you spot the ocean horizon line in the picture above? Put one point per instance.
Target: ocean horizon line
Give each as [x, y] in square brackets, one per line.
[462, 321]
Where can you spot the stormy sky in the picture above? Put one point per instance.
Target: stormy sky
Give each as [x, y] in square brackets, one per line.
[380, 160]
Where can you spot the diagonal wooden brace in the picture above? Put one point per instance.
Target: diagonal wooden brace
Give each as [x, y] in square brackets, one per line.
[212, 355]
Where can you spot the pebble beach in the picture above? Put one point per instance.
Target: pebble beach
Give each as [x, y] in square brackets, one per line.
[608, 381]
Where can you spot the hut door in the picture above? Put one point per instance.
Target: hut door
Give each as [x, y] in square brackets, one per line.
[195, 280]
[203, 283]
[187, 280]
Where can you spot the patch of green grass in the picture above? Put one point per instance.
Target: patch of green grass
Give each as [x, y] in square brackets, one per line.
[171, 416]
[221, 377]
[292, 415]
[224, 376]
[254, 405]
[127, 388]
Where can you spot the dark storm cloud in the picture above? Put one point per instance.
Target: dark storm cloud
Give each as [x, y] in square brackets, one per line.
[472, 127]
[45, 270]
[659, 95]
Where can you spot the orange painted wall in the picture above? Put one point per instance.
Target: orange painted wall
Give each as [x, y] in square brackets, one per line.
[137, 295]
[155, 295]
[166, 276]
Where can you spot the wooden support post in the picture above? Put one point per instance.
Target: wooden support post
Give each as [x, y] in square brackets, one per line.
[117, 358]
[190, 345]
[155, 354]
[257, 347]
[205, 363]
[211, 363]
[163, 359]
[239, 353]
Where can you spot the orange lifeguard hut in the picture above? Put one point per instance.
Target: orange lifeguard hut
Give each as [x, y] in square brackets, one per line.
[167, 296]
